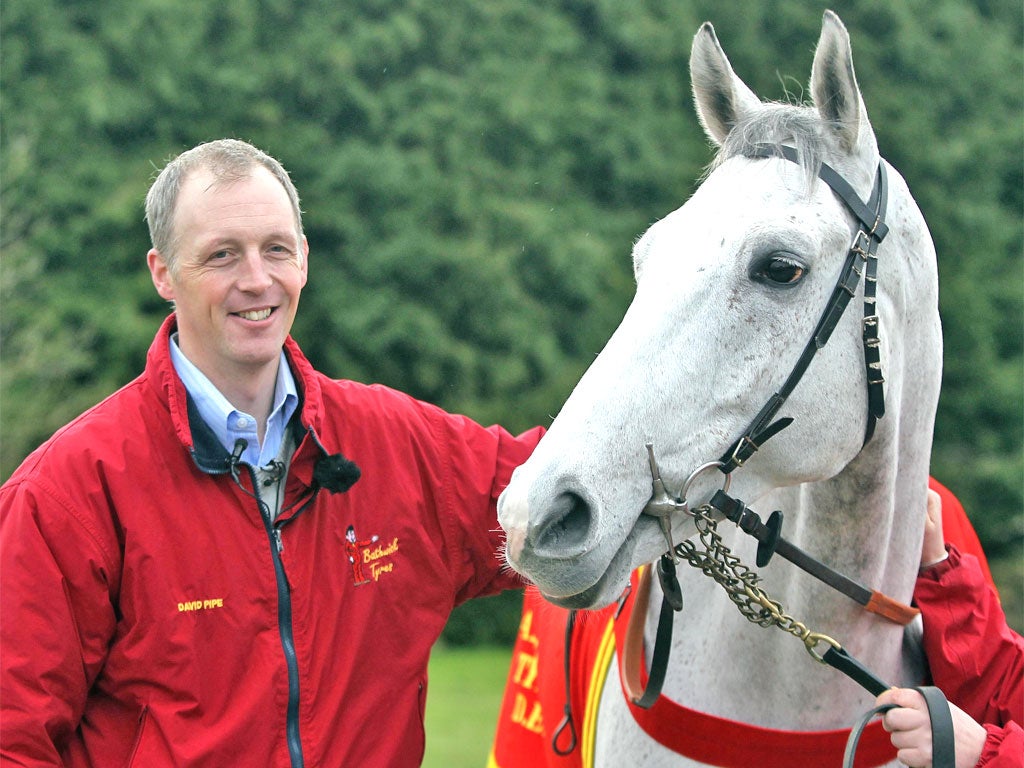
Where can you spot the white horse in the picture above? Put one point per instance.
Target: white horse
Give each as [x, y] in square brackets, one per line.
[729, 289]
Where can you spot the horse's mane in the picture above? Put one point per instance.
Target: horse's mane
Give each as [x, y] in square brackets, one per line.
[776, 124]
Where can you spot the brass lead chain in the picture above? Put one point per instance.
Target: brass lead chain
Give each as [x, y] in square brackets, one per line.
[741, 583]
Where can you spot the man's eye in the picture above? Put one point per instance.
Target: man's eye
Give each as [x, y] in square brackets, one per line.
[779, 270]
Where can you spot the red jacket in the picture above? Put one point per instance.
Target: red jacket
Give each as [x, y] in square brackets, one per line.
[151, 617]
[974, 657]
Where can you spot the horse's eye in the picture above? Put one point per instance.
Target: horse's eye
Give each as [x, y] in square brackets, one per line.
[779, 270]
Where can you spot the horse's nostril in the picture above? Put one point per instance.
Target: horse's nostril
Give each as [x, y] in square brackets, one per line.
[566, 527]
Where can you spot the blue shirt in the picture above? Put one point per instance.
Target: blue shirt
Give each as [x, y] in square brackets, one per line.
[227, 422]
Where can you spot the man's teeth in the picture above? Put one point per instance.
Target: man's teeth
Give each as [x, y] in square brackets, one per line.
[259, 314]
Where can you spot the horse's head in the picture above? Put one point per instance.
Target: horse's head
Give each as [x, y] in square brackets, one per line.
[729, 289]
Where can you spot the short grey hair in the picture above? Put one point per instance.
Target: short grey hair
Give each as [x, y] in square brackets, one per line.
[228, 160]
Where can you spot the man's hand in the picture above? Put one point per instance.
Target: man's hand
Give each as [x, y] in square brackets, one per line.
[911, 730]
[934, 549]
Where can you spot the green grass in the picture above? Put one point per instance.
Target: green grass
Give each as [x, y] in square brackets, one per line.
[463, 697]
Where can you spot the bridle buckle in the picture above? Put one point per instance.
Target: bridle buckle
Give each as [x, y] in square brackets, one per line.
[745, 448]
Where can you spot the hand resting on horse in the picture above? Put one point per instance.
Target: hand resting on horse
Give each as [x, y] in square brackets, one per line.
[933, 551]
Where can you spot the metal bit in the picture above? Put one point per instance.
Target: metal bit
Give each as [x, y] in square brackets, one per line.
[662, 505]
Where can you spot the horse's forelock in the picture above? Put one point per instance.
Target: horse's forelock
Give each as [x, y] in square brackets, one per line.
[778, 124]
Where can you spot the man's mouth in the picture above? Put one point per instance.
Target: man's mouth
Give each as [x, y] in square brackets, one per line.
[255, 314]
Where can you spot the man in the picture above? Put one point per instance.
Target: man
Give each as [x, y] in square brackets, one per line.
[177, 582]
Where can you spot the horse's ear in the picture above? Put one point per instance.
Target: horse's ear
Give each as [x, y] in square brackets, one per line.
[720, 96]
[834, 85]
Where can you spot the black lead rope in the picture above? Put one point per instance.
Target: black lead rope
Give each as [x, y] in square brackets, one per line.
[771, 542]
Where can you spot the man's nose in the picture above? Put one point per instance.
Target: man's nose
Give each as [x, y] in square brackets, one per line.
[255, 276]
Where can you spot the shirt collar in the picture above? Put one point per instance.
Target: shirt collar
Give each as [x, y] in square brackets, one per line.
[227, 422]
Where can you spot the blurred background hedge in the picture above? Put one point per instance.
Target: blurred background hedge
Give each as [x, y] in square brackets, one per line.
[473, 175]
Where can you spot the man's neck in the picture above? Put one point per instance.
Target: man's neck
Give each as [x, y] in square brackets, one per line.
[251, 390]
[248, 388]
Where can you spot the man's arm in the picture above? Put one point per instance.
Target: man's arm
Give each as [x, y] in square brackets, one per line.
[56, 621]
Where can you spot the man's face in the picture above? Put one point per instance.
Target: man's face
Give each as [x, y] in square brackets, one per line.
[239, 269]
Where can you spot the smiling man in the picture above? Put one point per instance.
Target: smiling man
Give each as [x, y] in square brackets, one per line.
[234, 270]
[234, 559]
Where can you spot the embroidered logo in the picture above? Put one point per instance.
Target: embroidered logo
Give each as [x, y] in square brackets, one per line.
[368, 561]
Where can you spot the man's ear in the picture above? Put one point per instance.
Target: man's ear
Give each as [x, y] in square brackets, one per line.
[161, 274]
[305, 260]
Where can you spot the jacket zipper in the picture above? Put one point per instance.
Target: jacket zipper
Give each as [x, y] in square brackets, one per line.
[284, 622]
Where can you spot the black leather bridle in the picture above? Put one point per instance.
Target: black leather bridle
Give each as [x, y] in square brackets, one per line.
[862, 260]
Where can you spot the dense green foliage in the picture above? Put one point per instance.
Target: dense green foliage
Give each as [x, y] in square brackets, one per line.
[473, 174]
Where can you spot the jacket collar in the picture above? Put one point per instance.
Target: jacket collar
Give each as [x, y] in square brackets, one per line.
[200, 441]
[207, 451]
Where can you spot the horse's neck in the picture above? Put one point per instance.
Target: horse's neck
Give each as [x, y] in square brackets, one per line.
[724, 665]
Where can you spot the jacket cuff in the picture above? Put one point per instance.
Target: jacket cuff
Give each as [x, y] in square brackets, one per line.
[993, 742]
[936, 571]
